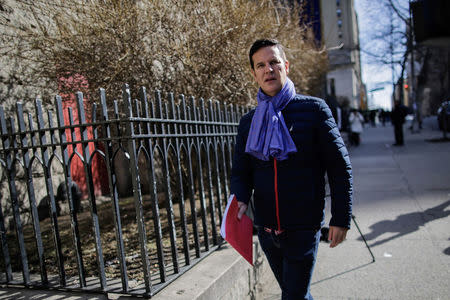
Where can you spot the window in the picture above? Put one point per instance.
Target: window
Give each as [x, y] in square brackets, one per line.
[340, 34]
[338, 12]
[340, 23]
[338, 2]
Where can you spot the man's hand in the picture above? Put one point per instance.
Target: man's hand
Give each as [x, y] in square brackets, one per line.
[242, 208]
[336, 235]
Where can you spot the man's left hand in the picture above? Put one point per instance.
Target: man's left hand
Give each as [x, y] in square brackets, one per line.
[242, 208]
[336, 235]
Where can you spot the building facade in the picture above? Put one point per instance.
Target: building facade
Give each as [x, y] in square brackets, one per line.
[340, 35]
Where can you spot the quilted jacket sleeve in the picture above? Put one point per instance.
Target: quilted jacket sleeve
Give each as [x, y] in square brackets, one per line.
[241, 180]
[337, 163]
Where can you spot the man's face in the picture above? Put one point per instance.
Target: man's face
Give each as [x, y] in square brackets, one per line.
[270, 69]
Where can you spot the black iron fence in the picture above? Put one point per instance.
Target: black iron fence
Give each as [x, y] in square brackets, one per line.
[178, 156]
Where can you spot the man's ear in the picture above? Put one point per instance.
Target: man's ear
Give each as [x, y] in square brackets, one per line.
[286, 65]
[253, 73]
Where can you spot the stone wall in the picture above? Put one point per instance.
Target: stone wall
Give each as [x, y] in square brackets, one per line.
[14, 88]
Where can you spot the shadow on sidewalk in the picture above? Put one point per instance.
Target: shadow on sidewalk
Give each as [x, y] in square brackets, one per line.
[405, 224]
[447, 251]
[341, 273]
[438, 140]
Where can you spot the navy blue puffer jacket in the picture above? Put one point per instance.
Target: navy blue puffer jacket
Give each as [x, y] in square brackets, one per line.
[290, 194]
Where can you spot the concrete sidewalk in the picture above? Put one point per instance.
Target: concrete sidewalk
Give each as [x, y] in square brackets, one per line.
[402, 205]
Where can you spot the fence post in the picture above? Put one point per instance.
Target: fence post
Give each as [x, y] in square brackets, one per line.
[136, 187]
[9, 144]
[176, 115]
[208, 130]
[90, 188]
[4, 242]
[112, 179]
[31, 194]
[68, 180]
[50, 193]
[189, 142]
[169, 204]
[198, 140]
[154, 192]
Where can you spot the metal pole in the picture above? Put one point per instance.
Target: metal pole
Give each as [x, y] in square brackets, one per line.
[364, 239]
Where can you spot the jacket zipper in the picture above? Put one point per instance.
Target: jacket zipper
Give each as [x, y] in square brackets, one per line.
[276, 193]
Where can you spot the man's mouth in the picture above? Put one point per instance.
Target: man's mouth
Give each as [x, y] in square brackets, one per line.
[270, 79]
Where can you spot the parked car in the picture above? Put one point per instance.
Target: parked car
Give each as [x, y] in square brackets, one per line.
[443, 115]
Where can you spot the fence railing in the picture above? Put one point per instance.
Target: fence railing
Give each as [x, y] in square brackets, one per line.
[178, 157]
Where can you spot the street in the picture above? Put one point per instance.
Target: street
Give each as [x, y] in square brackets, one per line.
[402, 206]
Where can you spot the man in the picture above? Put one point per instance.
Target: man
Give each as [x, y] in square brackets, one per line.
[356, 121]
[398, 118]
[283, 149]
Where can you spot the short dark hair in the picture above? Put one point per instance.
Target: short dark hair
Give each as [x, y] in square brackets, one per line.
[264, 43]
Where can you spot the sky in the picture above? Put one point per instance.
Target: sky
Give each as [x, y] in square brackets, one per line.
[376, 77]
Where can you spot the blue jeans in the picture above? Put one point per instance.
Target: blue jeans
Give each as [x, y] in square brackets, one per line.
[291, 255]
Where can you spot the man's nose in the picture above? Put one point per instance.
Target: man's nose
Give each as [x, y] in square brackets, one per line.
[269, 68]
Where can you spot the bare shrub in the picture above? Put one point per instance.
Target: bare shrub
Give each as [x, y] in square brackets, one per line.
[196, 47]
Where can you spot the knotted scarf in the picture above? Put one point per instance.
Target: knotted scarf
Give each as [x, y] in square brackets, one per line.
[268, 135]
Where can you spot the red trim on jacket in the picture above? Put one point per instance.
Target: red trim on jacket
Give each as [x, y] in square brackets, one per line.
[276, 193]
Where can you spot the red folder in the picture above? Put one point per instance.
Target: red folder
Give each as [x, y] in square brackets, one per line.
[238, 233]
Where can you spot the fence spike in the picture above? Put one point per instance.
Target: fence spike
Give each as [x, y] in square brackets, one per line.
[137, 193]
[49, 188]
[31, 193]
[112, 180]
[86, 153]
[67, 181]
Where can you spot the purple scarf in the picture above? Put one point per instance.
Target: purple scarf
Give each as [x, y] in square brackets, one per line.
[268, 134]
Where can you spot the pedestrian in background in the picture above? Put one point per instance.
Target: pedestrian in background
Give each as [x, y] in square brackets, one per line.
[356, 121]
[382, 115]
[373, 116]
[398, 115]
[283, 149]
